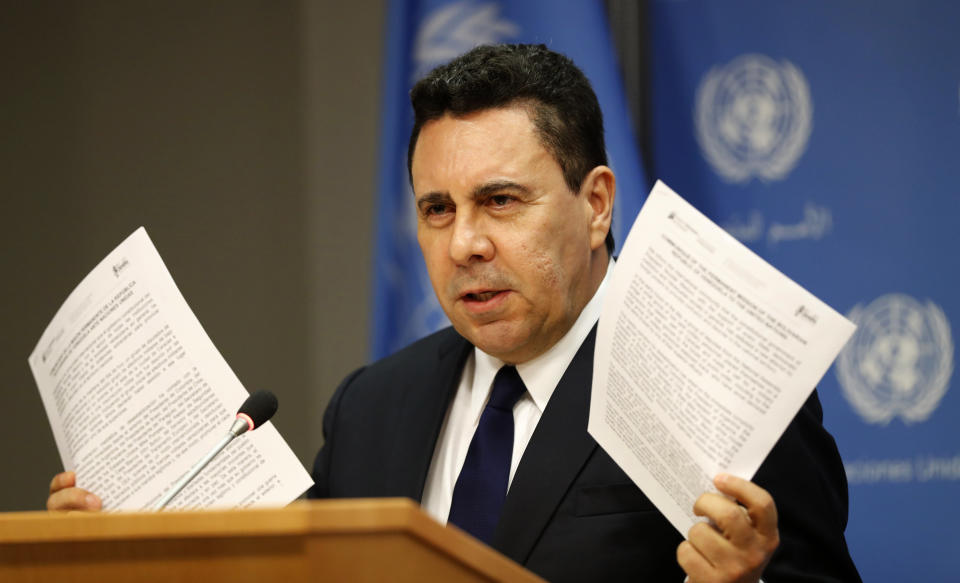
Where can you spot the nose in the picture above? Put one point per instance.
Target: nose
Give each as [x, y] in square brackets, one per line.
[469, 241]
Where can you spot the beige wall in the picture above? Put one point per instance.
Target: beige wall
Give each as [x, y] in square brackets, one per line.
[242, 134]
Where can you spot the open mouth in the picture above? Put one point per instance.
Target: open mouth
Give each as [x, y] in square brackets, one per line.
[481, 296]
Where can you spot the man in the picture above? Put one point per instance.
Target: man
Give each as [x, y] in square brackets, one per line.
[514, 203]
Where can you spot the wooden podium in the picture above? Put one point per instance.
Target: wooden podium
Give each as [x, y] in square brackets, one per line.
[335, 540]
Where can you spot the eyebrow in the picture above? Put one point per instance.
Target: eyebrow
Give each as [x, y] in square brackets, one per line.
[433, 198]
[480, 192]
[485, 190]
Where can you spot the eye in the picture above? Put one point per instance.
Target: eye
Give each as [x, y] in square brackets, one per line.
[436, 213]
[500, 200]
[436, 209]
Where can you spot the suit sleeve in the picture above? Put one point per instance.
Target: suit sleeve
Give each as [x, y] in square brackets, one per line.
[322, 463]
[805, 476]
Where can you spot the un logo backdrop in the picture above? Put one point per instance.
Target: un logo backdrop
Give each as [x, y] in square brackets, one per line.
[826, 136]
[753, 118]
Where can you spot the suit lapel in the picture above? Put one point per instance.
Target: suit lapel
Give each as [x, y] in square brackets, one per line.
[554, 457]
[421, 413]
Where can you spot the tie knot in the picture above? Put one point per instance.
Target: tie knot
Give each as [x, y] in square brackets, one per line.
[508, 387]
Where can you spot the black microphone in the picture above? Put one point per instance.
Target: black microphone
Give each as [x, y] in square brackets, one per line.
[255, 411]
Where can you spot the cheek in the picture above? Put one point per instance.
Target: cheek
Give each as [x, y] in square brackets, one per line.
[544, 267]
[433, 256]
[557, 254]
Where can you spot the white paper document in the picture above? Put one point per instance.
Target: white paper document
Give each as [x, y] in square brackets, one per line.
[136, 393]
[704, 355]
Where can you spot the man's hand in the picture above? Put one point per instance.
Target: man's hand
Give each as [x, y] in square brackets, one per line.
[737, 543]
[64, 494]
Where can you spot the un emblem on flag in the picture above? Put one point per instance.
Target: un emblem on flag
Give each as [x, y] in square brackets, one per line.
[899, 360]
[454, 28]
[753, 118]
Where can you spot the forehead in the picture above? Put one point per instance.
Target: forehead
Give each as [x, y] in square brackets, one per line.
[500, 142]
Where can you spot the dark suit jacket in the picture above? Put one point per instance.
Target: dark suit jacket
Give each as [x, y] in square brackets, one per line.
[571, 514]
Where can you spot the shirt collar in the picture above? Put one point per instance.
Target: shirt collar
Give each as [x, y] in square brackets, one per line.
[541, 374]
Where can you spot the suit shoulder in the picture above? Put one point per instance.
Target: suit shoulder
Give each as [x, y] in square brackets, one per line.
[427, 349]
[417, 361]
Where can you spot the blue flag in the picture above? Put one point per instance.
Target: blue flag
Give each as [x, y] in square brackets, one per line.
[424, 34]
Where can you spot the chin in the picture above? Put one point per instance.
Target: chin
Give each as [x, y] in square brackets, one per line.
[501, 341]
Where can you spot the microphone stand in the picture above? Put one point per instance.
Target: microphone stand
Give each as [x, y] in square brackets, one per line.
[240, 426]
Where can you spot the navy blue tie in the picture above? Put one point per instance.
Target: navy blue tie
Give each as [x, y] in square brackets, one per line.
[482, 485]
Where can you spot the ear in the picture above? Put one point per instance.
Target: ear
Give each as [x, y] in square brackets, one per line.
[599, 189]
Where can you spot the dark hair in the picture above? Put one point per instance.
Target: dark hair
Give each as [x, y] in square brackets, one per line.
[561, 102]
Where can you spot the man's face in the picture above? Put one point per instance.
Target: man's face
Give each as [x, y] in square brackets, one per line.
[508, 246]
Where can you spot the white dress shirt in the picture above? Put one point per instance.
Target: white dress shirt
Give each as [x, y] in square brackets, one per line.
[539, 375]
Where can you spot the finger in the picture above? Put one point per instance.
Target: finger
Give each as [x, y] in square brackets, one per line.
[694, 564]
[758, 502]
[727, 561]
[731, 520]
[73, 499]
[710, 543]
[63, 480]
